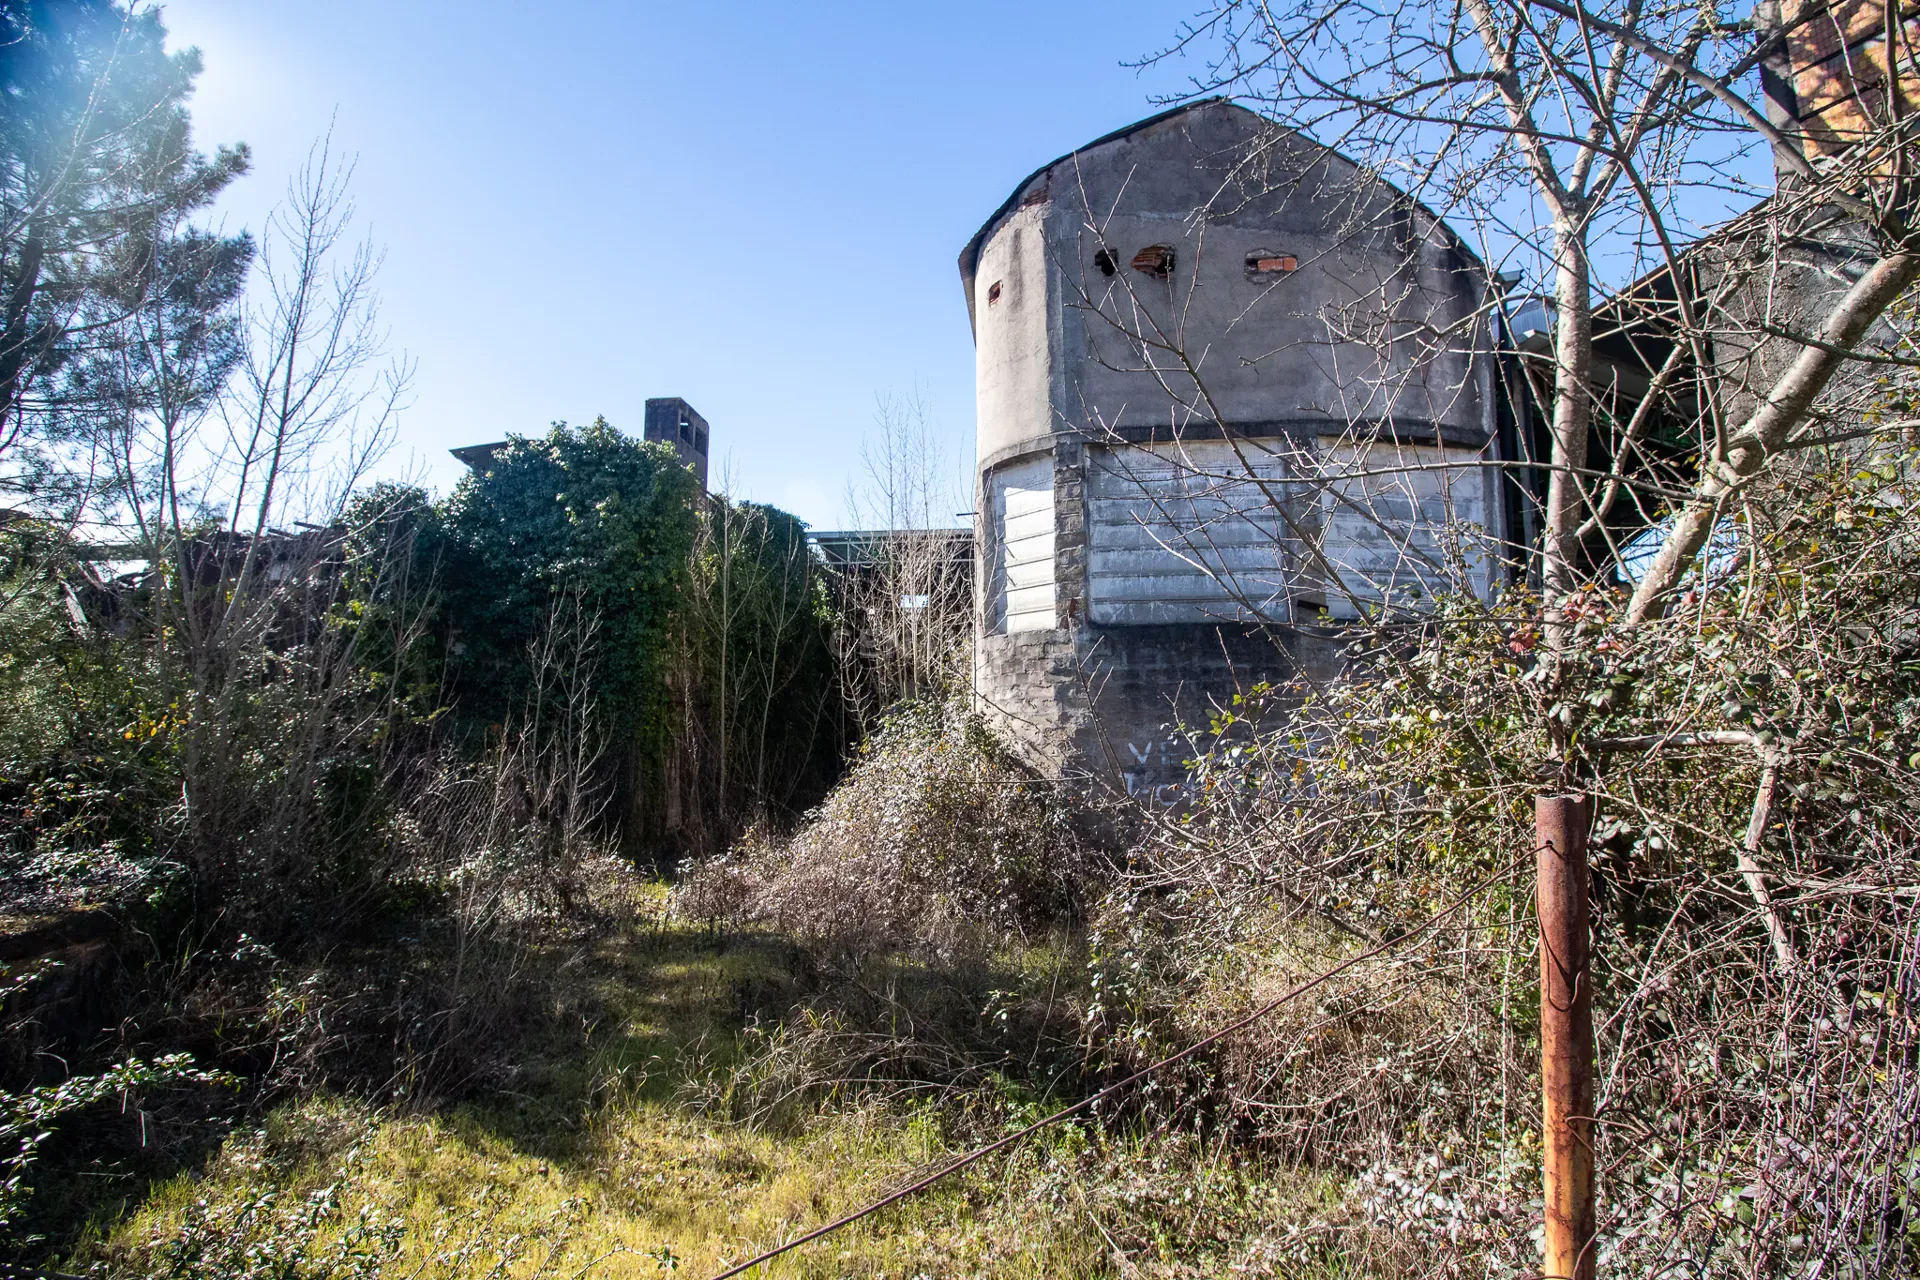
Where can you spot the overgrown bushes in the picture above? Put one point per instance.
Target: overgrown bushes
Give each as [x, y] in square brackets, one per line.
[1752, 765]
[292, 877]
[937, 838]
[326, 824]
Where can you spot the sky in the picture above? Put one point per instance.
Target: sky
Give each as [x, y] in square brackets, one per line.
[754, 206]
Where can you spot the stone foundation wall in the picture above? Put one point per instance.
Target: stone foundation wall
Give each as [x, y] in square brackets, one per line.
[1110, 702]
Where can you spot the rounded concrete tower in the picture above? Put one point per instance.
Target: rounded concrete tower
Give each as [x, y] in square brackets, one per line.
[1231, 391]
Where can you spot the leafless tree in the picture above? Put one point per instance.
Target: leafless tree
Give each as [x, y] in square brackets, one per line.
[1713, 214]
[209, 480]
[904, 592]
[1624, 157]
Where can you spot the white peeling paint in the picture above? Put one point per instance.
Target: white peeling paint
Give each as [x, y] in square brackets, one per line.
[1020, 591]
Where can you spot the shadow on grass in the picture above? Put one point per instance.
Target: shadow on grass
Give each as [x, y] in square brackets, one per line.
[701, 1057]
[750, 1027]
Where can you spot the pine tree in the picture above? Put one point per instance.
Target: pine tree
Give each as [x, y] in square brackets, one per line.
[97, 174]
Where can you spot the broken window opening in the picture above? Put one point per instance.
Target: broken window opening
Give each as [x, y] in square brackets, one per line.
[1155, 260]
[1262, 263]
[700, 442]
[1106, 262]
[993, 293]
[686, 431]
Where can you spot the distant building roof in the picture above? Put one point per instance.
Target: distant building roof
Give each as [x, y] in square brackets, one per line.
[479, 456]
[859, 547]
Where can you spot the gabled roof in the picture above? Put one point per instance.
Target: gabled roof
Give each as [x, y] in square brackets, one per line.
[970, 255]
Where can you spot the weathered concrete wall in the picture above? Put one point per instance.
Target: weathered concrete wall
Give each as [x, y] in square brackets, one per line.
[1119, 703]
[1014, 368]
[1346, 335]
[1286, 302]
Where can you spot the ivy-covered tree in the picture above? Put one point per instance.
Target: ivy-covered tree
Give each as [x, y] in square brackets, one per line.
[583, 520]
[583, 573]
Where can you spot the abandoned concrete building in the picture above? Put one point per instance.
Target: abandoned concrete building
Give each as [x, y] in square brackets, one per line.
[672, 421]
[1233, 391]
[1230, 393]
[669, 420]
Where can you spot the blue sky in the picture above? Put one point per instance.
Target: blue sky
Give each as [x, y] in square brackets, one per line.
[754, 206]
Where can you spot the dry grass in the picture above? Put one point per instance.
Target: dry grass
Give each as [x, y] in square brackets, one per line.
[602, 1166]
[936, 838]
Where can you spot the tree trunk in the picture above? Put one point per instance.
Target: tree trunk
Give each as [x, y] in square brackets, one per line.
[13, 339]
[1572, 411]
[1768, 430]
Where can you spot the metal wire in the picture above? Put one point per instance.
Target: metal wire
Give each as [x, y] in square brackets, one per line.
[979, 1154]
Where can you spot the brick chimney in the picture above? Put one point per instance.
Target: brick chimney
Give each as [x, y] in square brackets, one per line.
[672, 421]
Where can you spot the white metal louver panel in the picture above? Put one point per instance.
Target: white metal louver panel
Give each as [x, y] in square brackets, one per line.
[1021, 591]
[1402, 523]
[1187, 533]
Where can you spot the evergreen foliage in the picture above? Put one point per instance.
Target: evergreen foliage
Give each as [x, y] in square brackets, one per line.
[97, 171]
[583, 515]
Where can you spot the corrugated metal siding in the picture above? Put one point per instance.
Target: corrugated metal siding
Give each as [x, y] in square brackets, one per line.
[1184, 534]
[1020, 588]
[1400, 535]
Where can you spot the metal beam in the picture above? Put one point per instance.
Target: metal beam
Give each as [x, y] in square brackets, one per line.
[1566, 1036]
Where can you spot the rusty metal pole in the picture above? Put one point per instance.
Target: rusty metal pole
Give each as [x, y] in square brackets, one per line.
[1566, 1036]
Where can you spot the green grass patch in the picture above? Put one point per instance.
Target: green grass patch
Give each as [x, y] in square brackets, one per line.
[615, 1156]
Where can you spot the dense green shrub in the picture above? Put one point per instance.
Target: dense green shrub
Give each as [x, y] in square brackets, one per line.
[584, 515]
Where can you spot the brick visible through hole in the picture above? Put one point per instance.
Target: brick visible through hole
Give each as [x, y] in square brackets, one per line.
[1261, 264]
[1155, 260]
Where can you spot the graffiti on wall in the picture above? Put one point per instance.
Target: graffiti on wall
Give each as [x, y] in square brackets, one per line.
[1148, 764]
